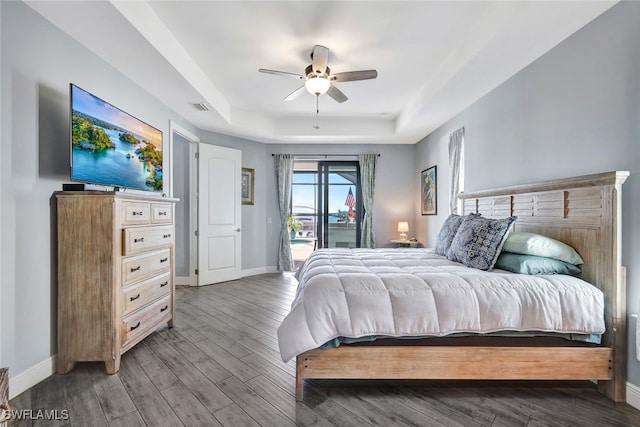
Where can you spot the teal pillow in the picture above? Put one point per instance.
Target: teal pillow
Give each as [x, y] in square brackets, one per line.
[539, 245]
[530, 264]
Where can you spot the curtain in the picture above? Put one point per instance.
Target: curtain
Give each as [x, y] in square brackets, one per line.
[284, 178]
[368, 179]
[455, 162]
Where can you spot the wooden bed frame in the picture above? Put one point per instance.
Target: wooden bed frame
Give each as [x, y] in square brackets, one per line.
[584, 212]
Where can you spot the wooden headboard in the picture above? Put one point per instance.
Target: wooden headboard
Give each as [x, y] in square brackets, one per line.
[585, 213]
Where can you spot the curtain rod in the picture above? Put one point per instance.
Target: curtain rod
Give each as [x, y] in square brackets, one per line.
[322, 155]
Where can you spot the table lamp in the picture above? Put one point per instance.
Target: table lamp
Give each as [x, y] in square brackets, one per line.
[403, 227]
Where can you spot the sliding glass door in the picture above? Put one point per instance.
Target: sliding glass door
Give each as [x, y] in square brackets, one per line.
[339, 204]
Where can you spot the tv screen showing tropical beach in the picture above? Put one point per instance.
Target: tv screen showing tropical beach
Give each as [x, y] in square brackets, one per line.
[111, 147]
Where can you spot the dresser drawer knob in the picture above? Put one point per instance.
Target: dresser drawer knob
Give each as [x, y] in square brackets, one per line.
[164, 308]
[134, 298]
[141, 239]
[164, 260]
[135, 327]
[162, 285]
[135, 268]
[137, 213]
[162, 213]
[166, 236]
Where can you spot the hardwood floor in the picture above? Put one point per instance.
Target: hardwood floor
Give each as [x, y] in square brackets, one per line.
[220, 366]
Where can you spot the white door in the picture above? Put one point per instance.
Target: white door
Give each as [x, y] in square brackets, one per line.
[219, 214]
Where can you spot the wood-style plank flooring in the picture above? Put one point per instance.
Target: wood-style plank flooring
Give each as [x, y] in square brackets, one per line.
[220, 366]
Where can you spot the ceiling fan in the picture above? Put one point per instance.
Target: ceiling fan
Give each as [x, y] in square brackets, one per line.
[318, 78]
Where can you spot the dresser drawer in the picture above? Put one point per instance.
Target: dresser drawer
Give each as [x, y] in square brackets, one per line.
[140, 267]
[161, 213]
[135, 213]
[142, 293]
[148, 318]
[141, 239]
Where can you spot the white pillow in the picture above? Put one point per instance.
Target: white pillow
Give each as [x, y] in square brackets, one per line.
[539, 245]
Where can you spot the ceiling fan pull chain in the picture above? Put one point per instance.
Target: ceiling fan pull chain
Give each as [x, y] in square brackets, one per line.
[317, 111]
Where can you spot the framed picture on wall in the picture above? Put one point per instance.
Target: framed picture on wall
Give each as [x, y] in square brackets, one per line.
[428, 191]
[248, 176]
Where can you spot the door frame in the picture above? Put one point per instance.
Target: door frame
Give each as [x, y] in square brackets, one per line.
[191, 168]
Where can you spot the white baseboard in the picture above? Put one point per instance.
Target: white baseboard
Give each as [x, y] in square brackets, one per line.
[259, 270]
[633, 395]
[32, 376]
[193, 281]
[186, 281]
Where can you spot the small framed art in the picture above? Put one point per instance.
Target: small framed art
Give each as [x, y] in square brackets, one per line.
[428, 191]
[248, 176]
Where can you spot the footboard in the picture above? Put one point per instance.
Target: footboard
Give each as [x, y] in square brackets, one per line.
[454, 362]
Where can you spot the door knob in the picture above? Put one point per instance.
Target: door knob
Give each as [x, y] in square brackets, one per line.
[238, 230]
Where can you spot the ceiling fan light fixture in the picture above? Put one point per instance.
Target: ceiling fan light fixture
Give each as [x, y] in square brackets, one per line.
[318, 78]
[318, 85]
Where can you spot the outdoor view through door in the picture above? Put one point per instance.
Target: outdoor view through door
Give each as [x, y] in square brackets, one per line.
[326, 207]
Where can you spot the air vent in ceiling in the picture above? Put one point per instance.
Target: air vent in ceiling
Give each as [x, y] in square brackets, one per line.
[200, 106]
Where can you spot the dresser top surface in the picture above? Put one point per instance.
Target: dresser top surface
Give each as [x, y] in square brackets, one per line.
[116, 195]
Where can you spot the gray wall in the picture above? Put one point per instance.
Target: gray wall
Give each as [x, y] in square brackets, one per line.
[574, 111]
[38, 63]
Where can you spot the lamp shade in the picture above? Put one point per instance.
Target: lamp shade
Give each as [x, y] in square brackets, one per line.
[403, 227]
[317, 85]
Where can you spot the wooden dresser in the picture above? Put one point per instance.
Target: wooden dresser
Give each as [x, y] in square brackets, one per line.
[5, 409]
[115, 273]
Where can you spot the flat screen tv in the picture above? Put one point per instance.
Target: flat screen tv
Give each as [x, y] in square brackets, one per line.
[110, 147]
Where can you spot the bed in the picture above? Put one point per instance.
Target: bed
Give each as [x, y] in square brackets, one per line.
[583, 212]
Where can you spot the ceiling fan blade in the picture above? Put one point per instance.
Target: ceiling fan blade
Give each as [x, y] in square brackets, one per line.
[350, 76]
[296, 93]
[320, 56]
[280, 73]
[336, 94]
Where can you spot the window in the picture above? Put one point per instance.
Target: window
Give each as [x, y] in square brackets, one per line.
[304, 198]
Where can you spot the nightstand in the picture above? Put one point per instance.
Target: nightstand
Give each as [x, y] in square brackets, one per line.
[405, 243]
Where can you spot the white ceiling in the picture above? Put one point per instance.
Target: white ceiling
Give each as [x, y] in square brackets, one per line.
[434, 58]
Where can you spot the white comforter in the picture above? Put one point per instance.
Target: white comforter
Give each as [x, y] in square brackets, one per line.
[414, 292]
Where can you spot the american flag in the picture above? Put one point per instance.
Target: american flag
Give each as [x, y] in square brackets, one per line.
[351, 203]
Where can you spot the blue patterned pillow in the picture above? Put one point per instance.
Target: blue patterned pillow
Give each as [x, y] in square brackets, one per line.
[448, 232]
[479, 241]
